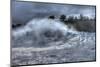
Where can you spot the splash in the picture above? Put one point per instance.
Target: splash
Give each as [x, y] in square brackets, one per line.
[39, 25]
[42, 32]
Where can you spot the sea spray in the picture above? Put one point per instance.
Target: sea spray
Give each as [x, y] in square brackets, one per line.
[42, 32]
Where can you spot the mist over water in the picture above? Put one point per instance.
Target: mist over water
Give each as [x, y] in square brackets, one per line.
[41, 32]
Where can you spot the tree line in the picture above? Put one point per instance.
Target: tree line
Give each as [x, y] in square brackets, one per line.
[72, 19]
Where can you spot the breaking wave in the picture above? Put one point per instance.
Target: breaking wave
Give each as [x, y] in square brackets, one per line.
[42, 32]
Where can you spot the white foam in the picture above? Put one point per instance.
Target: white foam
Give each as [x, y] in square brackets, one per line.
[38, 25]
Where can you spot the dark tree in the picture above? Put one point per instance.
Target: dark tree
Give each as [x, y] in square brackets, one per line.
[71, 19]
[16, 25]
[62, 17]
[81, 17]
[51, 17]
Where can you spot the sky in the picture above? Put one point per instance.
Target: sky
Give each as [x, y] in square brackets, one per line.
[25, 11]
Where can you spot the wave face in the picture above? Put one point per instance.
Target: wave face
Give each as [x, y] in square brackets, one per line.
[41, 33]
